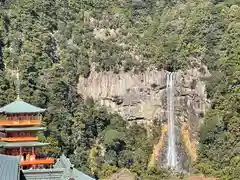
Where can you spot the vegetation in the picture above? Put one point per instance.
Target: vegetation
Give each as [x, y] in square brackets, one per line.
[219, 141]
[52, 42]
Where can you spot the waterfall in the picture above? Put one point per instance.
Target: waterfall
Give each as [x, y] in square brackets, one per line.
[171, 149]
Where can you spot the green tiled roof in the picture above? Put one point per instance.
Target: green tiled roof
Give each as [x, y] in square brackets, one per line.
[36, 128]
[70, 172]
[62, 170]
[20, 106]
[55, 174]
[75, 174]
[24, 144]
[2, 144]
[46, 174]
[9, 167]
[63, 162]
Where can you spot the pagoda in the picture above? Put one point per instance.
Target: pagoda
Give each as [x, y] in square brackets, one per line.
[20, 157]
[18, 134]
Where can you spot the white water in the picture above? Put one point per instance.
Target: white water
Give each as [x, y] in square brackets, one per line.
[171, 150]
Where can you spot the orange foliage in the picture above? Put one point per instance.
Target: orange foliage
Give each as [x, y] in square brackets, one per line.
[191, 146]
[158, 147]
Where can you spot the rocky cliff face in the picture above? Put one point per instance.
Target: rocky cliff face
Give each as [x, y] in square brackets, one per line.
[142, 97]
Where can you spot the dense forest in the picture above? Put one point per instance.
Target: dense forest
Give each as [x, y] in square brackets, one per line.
[53, 42]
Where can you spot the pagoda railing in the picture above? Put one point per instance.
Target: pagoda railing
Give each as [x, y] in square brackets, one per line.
[38, 161]
[18, 139]
[19, 122]
[32, 160]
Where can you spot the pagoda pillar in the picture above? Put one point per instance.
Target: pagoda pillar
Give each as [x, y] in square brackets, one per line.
[33, 153]
[21, 158]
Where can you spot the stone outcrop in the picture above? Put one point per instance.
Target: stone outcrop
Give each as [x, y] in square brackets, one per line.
[142, 97]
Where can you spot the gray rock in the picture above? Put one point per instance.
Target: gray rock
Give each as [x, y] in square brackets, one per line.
[143, 96]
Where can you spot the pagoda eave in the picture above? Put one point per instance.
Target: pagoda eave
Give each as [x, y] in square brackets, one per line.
[24, 144]
[19, 107]
[18, 139]
[16, 129]
[19, 123]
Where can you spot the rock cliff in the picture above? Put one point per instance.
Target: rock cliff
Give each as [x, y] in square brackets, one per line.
[142, 97]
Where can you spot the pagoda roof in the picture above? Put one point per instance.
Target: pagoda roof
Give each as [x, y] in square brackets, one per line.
[34, 128]
[23, 144]
[9, 167]
[19, 106]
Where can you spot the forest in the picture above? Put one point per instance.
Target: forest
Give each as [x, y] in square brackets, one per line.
[53, 42]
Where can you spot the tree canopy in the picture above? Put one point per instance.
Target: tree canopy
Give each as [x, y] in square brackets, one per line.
[53, 42]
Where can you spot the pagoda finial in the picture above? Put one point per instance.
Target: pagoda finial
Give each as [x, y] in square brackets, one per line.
[18, 85]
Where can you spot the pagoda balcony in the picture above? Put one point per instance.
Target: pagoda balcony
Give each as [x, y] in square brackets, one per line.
[18, 139]
[43, 161]
[20, 122]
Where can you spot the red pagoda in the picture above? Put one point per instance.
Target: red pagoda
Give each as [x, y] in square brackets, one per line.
[19, 124]
[18, 134]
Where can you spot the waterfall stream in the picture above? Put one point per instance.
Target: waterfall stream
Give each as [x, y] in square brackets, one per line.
[171, 149]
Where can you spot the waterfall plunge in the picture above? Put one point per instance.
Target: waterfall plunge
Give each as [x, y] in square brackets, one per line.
[171, 149]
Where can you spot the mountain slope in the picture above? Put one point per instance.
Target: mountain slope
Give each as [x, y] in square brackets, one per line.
[53, 42]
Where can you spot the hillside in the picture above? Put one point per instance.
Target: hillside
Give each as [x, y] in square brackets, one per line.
[56, 43]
